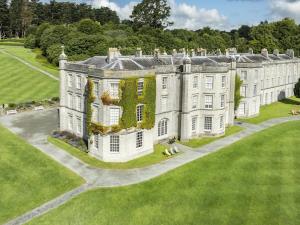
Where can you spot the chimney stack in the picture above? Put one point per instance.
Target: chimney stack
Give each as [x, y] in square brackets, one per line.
[265, 53]
[138, 52]
[290, 53]
[113, 53]
[276, 52]
[250, 51]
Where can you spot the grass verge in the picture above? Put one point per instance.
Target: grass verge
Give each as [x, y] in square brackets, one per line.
[153, 158]
[198, 142]
[28, 178]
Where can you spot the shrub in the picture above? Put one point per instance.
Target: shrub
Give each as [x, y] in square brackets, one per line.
[30, 42]
[55, 99]
[98, 128]
[297, 89]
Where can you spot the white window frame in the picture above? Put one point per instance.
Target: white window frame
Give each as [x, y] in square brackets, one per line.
[78, 82]
[114, 89]
[209, 82]
[139, 112]
[114, 144]
[114, 116]
[162, 127]
[164, 83]
[195, 99]
[70, 121]
[194, 123]
[96, 141]
[244, 75]
[223, 84]
[244, 91]
[139, 139]
[221, 121]
[164, 103]
[96, 88]
[78, 102]
[140, 87]
[242, 110]
[208, 123]
[222, 101]
[70, 80]
[79, 125]
[254, 90]
[95, 113]
[195, 81]
[208, 101]
[70, 100]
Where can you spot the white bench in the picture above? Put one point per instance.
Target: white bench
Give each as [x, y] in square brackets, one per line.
[11, 112]
[38, 108]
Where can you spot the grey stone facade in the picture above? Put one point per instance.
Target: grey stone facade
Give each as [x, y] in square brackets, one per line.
[194, 94]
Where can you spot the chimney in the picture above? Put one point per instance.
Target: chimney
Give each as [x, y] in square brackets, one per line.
[276, 52]
[202, 51]
[265, 53]
[193, 53]
[174, 52]
[290, 53]
[227, 53]
[250, 51]
[138, 52]
[219, 52]
[113, 53]
[156, 52]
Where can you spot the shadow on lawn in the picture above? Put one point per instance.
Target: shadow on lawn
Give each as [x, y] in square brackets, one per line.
[290, 101]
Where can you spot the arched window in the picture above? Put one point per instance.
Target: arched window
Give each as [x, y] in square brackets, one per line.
[162, 127]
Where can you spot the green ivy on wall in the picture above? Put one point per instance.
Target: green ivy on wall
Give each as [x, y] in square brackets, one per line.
[90, 100]
[128, 100]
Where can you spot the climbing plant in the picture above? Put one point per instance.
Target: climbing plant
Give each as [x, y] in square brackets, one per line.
[237, 91]
[90, 100]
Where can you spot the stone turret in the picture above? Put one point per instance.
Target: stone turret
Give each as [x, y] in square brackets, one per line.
[265, 52]
[62, 58]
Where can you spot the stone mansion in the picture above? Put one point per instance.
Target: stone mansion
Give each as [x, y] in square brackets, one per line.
[194, 95]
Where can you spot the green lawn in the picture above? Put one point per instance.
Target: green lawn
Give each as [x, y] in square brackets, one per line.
[19, 83]
[275, 110]
[28, 178]
[198, 142]
[255, 181]
[144, 161]
[32, 56]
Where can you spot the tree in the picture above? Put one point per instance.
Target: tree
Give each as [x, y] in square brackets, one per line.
[153, 13]
[237, 91]
[88, 26]
[4, 18]
[105, 15]
[297, 89]
[15, 12]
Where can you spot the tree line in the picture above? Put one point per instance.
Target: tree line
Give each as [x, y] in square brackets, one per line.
[86, 31]
[20, 15]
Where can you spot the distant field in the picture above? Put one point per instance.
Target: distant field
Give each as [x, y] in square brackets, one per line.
[28, 178]
[19, 83]
[32, 56]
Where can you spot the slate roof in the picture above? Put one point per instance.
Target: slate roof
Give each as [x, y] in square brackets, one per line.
[149, 62]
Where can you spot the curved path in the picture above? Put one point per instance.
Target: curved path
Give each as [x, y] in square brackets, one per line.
[36, 126]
